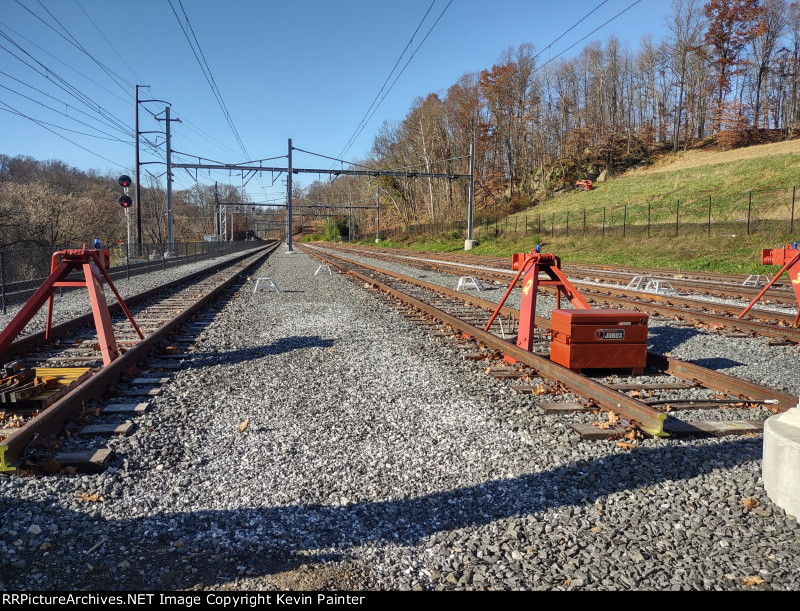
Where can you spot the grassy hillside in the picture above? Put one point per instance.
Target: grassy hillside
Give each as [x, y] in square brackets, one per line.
[731, 255]
[727, 177]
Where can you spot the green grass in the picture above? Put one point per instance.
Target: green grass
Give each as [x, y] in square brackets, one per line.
[739, 255]
[729, 248]
[770, 178]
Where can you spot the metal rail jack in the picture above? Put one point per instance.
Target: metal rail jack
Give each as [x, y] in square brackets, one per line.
[789, 258]
[93, 264]
[530, 265]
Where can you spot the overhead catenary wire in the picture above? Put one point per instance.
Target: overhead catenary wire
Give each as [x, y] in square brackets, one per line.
[66, 104]
[359, 165]
[109, 136]
[74, 42]
[572, 27]
[110, 44]
[48, 73]
[597, 29]
[59, 60]
[65, 138]
[42, 122]
[209, 76]
[394, 82]
[391, 72]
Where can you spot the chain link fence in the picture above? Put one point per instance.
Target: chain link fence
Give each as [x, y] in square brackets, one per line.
[751, 213]
[24, 266]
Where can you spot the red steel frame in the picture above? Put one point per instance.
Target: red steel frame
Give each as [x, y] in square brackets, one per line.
[531, 265]
[93, 264]
[789, 257]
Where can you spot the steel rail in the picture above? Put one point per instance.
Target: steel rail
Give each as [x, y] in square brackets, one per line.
[715, 380]
[636, 301]
[732, 288]
[648, 419]
[52, 419]
[66, 328]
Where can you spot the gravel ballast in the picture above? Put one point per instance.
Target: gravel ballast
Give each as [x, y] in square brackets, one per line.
[316, 439]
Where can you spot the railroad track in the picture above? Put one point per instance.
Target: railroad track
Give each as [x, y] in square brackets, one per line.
[72, 355]
[727, 286]
[717, 316]
[646, 403]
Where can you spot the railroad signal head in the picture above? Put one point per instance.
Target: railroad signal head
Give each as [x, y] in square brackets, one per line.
[125, 201]
[124, 181]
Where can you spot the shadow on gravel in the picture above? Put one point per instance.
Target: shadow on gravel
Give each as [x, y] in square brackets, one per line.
[716, 363]
[243, 355]
[268, 540]
[664, 339]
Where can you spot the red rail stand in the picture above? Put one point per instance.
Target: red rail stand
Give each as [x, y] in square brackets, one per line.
[93, 264]
[531, 265]
[583, 337]
[789, 258]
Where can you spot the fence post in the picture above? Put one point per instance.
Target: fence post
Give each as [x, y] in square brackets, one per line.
[791, 223]
[515, 225]
[625, 221]
[677, 216]
[649, 204]
[3, 284]
[553, 225]
[709, 215]
[604, 222]
[526, 224]
[749, 211]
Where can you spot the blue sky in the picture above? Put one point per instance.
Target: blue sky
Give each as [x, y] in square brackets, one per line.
[306, 69]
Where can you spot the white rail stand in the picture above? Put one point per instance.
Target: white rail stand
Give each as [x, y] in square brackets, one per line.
[269, 282]
[637, 282]
[324, 269]
[756, 280]
[466, 282]
[660, 287]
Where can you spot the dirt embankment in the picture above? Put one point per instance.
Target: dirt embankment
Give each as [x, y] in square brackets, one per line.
[695, 158]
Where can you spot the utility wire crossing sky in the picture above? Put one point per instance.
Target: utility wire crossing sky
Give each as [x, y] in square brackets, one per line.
[245, 76]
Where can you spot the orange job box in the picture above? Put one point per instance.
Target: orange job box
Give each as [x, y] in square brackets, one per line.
[599, 339]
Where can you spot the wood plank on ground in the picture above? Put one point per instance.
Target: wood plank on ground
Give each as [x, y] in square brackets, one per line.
[86, 461]
[126, 428]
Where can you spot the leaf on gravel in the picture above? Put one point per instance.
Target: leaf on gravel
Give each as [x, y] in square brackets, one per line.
[243, 426]
[633, 435]
[752, 580]
[635, 393]
[612, 420]
[89, 498]
[750, 503]
[626, 445]
[331, 349]
[540, 390]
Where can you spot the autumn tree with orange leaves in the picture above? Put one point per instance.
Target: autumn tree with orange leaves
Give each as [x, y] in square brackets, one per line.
[732, 25]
